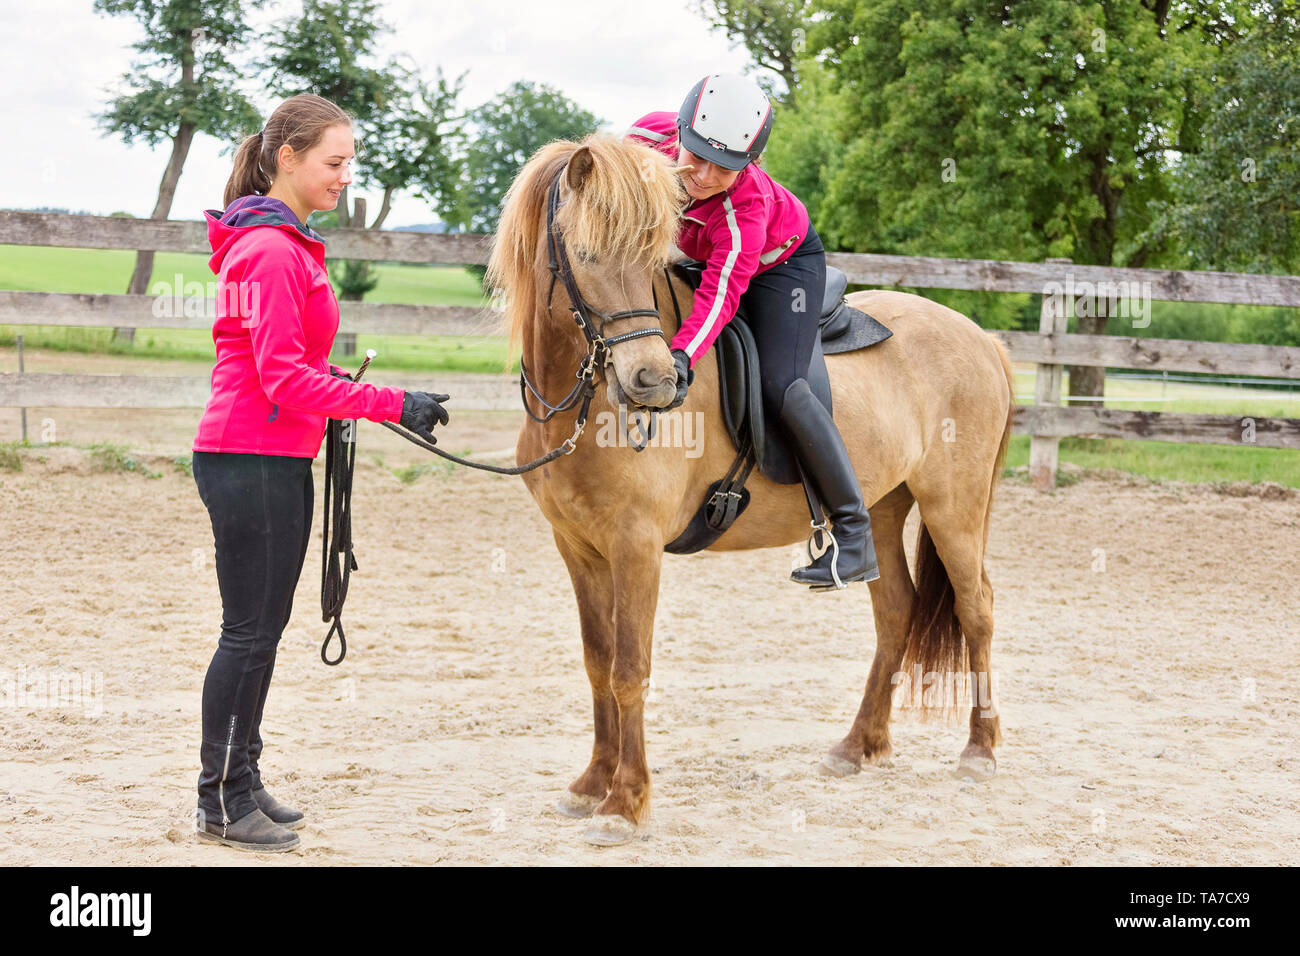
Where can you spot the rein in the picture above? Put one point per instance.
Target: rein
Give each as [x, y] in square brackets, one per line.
[337, 561]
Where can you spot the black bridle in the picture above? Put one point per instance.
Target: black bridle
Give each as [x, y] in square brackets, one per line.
[599, 346]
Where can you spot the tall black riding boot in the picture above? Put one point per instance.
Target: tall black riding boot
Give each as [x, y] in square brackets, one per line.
[821, 450]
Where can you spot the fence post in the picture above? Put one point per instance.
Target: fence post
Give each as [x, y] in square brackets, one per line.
[20, 372]
[1053, 318]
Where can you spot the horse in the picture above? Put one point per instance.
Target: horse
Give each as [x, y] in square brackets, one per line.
[926, 416]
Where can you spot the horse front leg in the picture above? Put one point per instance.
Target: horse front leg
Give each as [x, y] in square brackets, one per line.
[635, 565]
[594, 590]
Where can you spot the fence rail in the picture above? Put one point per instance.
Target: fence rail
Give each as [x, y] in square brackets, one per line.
[472, 392]
[1059, 282]
[913, 272]
[182, 312]
[172, 235]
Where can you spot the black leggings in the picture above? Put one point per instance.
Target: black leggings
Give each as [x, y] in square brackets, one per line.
[783, 306]
[261, 511]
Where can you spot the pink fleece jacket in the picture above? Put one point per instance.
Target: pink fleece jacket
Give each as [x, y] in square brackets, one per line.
[277, 316]
[747, 229]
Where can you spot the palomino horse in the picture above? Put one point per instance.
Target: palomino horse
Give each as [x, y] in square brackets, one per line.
[926, 416]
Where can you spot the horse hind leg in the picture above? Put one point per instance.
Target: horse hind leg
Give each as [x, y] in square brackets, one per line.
[958, 534]
[594, 589]
[891, 601]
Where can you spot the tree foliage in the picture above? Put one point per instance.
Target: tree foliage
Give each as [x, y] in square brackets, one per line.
[1017, 130]
[505, 132]
[1236, 200]
[404, 124]
[181, 83]
[805, 151]
[182, 74]
[774, 32]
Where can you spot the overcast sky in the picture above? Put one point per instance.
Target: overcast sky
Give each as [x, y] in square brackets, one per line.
[59, 59]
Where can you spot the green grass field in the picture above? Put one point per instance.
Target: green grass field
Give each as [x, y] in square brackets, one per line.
[107, 271]
[1170, 461]
[99, 271]
[42, 269]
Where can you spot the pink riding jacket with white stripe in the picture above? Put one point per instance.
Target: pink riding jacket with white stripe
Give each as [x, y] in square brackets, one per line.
[745, 230]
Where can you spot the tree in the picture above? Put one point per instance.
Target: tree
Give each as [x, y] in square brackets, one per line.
[773, 31]
[404, 125]
[506, 131]
[1236, 203]
[805, 151]
[1016, 130]
[181, 84]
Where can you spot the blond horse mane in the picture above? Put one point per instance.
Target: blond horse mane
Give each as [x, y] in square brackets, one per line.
[628, 210]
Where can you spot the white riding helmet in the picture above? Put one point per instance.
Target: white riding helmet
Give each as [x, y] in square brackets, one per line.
[725, 119]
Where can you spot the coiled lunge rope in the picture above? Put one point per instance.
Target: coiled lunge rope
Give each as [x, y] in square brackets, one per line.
[337, 561]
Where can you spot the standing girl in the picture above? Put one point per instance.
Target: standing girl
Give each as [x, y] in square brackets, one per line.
[760, 250]
[272, 391]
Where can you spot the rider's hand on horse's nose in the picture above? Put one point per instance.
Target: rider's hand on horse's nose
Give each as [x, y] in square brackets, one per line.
[421, 411]
[685, 375]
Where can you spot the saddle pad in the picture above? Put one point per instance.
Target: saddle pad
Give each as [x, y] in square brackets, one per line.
[863, 331]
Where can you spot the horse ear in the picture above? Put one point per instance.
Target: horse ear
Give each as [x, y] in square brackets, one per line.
[580, 166]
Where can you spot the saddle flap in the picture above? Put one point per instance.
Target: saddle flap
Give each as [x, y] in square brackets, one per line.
[753, 392]
[732, 381]
[837, 322]
[837, 283]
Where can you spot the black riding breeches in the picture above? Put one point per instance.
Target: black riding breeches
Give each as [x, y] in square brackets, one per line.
[261, 511]
[783, 306]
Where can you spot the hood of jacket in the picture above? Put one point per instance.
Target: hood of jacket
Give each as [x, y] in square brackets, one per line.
[248, 212]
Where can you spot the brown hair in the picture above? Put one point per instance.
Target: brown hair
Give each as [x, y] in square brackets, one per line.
[301, 122]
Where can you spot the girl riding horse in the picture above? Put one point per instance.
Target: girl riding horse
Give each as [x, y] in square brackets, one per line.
[760, 251]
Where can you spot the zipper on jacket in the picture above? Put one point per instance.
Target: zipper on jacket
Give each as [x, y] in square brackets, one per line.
[221, 787]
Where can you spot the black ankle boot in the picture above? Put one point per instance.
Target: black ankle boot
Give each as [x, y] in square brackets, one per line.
[278, 812]
[821, 450]
[253, 831]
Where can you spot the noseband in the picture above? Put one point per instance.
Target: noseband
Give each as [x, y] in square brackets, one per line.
[599, 346]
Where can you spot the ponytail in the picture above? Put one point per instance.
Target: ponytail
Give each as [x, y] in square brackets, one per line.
[248, 177]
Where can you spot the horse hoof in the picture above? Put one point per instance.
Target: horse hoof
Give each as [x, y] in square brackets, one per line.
[836, 766]
[576, 805]
[610, 829]
[976, 765]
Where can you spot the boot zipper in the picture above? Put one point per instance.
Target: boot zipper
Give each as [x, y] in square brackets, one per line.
[221, 788]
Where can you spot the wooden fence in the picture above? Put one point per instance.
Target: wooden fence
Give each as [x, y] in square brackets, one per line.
[1051, 348]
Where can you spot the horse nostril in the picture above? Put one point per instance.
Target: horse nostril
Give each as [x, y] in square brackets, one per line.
[644, 379]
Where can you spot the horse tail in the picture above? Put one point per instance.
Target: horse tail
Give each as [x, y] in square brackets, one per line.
[935, 643]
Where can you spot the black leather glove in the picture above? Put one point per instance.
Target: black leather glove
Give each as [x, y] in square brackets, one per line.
[685, 376]
[421, 411]
[339, 373]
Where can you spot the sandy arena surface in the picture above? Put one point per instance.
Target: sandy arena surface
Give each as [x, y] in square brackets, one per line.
[1145, 656]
